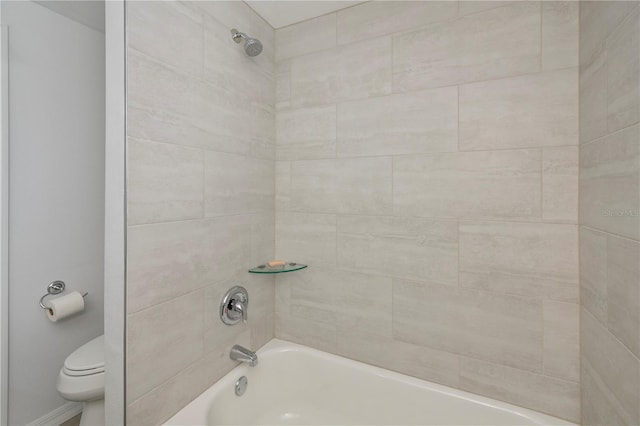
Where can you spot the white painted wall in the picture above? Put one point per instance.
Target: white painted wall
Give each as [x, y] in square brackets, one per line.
[56, 195]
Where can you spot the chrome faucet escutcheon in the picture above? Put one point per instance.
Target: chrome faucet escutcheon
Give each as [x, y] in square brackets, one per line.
[239, 353]
[234, 306]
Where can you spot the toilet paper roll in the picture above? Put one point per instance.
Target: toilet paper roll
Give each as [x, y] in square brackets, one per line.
[64, 306]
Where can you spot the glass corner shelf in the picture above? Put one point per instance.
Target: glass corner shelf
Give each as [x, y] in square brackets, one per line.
[288, 267]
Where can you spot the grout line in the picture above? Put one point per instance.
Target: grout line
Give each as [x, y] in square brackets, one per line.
[610, 234]
[542, 328]
[427, 154]
[201, 287]
[204, 39]
[458, 117]
[542, 174]
[393, 186]
[601, 138]
[422, 89]
[393, 65]
[459, 245]
[605, 45]
[335, 22]
[204, 182]
[609, 332]
[540, 64]
[249, 156]
[460, 220]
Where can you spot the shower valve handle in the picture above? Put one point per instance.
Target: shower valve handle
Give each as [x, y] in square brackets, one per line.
[234, 306]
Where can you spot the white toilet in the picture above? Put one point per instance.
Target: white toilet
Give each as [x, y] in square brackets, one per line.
[82, 379]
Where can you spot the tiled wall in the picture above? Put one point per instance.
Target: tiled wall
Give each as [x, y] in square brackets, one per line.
[201, 148]
[610, 212]
[427, 170]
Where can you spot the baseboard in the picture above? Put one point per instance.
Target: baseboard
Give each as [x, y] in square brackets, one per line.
[59, 415]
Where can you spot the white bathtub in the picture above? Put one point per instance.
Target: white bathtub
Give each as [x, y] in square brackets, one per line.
[297, 385]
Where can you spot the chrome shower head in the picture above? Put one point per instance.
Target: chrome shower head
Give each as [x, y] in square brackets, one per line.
[252, 46]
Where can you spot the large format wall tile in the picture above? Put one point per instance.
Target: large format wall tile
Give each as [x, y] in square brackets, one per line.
[338, 75]
[520, 112]
[562, 340]
[316, 138]
[235, 184]
[358, 185]
[170, 259]
[166, 106]
[559, 34]
[410, 123]
[493, 327]
[364, 303]
[623, 291]
[593, 97]
[411, 248]
[610, 183]
[164, 261]
[306, 37]
[164, 182]
[202, 142]
[560, 184]
[169, 397]
[319, 335]
[593, 272]
[496, 43]
[542, 393]
[306, 238]
[612, 367]
[470, 7]
[356, 301]
[598, 19]
[375, 18]
[283, 84]
[610, 211]
[389, 207]
[283, 185]
[598, 405]
[313, 294]
[170, 334]
[166, 399]
[181, 47]
[417, 361]
[489, 184]
[623, 83]
[263, 236]
[528, 259]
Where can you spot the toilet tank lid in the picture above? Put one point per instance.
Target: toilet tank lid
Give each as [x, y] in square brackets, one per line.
[88, 356]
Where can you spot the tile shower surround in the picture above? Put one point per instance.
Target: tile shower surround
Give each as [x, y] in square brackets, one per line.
[201, 194]
[425, 159]
[427, 170]
[610, 212]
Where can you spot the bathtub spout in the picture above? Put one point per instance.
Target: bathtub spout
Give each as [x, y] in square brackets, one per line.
[238, 353]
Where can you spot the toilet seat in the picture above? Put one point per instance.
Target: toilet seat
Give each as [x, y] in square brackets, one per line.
[81, 377]
[87, 359]
[87, 372]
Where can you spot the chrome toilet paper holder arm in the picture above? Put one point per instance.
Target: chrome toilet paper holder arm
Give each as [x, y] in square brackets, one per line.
[55, 287]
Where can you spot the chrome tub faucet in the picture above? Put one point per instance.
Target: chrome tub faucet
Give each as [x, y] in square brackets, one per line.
[238, 353]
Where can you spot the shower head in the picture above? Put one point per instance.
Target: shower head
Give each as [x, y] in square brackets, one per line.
[252, 46]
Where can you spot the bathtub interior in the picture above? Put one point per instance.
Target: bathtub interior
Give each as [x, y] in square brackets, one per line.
[296, 385]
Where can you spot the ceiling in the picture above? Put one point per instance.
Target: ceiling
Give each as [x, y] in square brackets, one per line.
[278, 14]
[89, 13]
[282, 13]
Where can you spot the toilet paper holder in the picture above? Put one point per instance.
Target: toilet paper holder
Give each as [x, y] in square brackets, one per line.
[55, 287]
